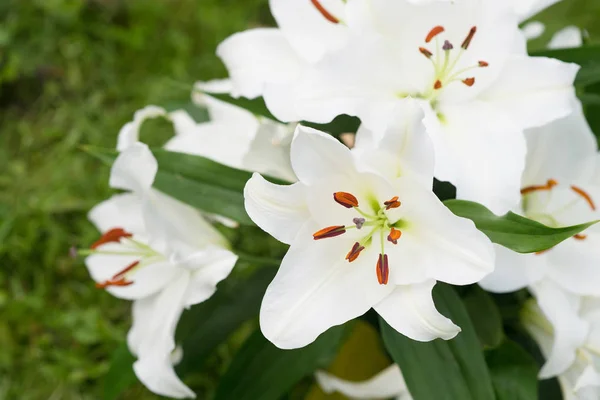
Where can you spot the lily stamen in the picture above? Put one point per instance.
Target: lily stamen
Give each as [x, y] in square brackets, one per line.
[467, 42]
[394, 235]
[392, 203]
[329, 232]
[383, 269]
[580, 236]
[112, 236]
[550, 184]
[354, 252]
[345, 199]
[326, 14]
[585, 196]
[433, 33]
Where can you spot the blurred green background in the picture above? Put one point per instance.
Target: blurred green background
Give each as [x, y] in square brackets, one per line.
[72, 72]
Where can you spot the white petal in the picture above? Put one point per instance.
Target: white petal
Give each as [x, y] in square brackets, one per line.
[590, 377]
[437, 244]
[514, 271]
[269, 152]
[526, 9]
[533, 30]
[182, 122]
[316, 288]
[223, 142]
[573, 264]
[308, 32]
[120, 211]
[534, 90]
[134, 169]
[388, 383]
[480, 151]
[315, 154]
[281, 211]
[568, 37]
[564, 150]
[410, 310]
[257, 57]
[151, 338]
[362, 79]
[158, 375]
[130, 132]
[209, 267]
[405, 149]
[569, 330]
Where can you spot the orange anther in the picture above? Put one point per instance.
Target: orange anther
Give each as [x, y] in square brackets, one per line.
[425, 52]
[580, 236]
[119, 283]
[484, 64]
[345, 199]
[354, 252]
[329, 232]
[433, 33]
[469, 82]
[437, 85]
[392, 203]
[394, 235]
[585, 196]
[383, 269]
[328, 16]
[465, 45]
[112, 236]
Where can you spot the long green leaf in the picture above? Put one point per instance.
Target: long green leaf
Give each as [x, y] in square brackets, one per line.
[513, 231]
[485, 316]
[203, 327]
[442, 370]
[588, 57]
[514, 372]
[262, 371]
[120, 375]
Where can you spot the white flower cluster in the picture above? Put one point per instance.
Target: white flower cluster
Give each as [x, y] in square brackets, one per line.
[444, 89]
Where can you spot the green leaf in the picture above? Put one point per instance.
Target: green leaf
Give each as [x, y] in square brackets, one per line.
[485, 316]
[206, 325]
[590, 99]
[120, 375]
[341, 124]
[262, 371]
[197, 181]
[442, 370]
[514, 372]
[255, 106]
[198, 114]
[517, 233]
[588, 57]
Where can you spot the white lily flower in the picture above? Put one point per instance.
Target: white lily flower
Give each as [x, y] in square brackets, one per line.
[161, 254]
[566, 38]
[567, 329]
[386, 384]
[560, 187]
[269, 62]
[359, 240]
[460, 60]
[233, 136]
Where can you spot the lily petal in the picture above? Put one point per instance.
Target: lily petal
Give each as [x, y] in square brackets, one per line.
[120, 211]
[134, 169]
[534, 90]
[279, 210]
[570, 331]
[388, 383]
[569, 37]
[130, 132]
[410, 310]
[311, 146]
[151, 338]
[526, 9]
[514, 271]
[257, 57]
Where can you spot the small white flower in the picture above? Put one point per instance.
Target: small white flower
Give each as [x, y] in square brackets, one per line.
[465, 62]
[560, 187]
[359, 240]
[160, 253]
[569, 37]
[232, 136]
[386, 384]
[567, 329]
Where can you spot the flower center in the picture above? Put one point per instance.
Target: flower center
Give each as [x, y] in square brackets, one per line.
[445, 59]
[128, 247]
[537, 209]
[378, 224]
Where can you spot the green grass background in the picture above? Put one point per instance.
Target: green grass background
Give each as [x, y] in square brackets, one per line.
[72, 72]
